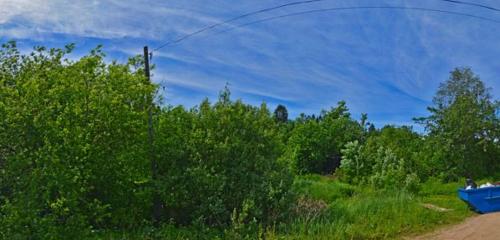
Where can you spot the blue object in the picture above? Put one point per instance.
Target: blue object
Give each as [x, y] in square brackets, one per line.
[482, 200]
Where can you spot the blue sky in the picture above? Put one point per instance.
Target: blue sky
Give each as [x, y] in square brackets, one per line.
[387, 63]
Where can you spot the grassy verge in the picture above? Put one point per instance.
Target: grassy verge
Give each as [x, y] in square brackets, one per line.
[330, 209]
[364, 213]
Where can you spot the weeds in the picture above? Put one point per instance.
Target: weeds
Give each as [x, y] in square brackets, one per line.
[361, 212]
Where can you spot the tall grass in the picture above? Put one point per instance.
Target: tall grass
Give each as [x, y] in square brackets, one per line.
[366, 213]
[330, 209]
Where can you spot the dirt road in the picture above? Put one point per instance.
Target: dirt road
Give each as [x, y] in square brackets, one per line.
[483, 227]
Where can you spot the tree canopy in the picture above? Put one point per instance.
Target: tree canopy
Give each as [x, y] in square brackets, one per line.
[464, 122]
[281, 113]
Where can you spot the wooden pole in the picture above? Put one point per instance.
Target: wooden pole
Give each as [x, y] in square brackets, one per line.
[156, 215]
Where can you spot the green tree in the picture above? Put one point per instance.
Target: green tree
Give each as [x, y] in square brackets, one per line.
[314, 145]
[364, 120]
[353, 168]
[219, 163]
[464, 122]
[281, 114]
[387, 158]
[389, 171]
[401, 141]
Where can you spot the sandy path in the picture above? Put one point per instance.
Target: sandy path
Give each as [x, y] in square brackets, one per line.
[484, 227]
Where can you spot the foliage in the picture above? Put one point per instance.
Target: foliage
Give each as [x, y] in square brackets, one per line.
[369, 213]
[403, 142]
[75, 157]
[72, 143]
[384, 170]
[227, 154]
[388, 159]
[464, 122]
[76, 161]
[314, 145]
[389, 171]
[317, 187]
[353, 168]
[281, 114]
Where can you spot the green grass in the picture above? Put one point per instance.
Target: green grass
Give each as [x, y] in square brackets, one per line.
[349, 212]
[365, 213]
[323, 188]
[165, 232]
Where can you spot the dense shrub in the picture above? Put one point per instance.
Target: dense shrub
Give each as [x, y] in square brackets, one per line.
[382, 170]
[71, 144]
[74, 152]
[403, 142]
[389, 171]
[314, 145]
[76, 160]
[353, 167]
[219, 164]
[394, 154]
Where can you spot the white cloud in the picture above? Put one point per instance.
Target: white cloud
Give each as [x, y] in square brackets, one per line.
[378, 60]
[102, 19]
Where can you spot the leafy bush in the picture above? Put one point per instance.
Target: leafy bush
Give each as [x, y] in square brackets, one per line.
[306, 148]
[412, 183]
[71, 144]
[314, 145]
[388, 170]
[353, 167]
[74, 152]
[391, 172]
[227, 154]
[384, 170]
[76, 161]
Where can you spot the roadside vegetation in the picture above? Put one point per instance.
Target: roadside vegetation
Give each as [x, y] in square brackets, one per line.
[336, 210]
[76, 161]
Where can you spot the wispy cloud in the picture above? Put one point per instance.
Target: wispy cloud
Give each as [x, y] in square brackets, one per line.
[386, 63]
[101, 19]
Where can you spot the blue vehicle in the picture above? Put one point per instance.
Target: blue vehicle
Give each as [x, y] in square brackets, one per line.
[482, 200]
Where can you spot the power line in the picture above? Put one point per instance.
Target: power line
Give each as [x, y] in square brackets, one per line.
[472, 4]
[234, 19]
[359, 8]
[189, 35]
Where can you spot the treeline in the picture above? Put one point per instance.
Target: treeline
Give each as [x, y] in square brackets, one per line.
[462, 139]
[75, 157]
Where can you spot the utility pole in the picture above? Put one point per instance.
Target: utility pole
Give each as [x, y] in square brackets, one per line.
[154, 163]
